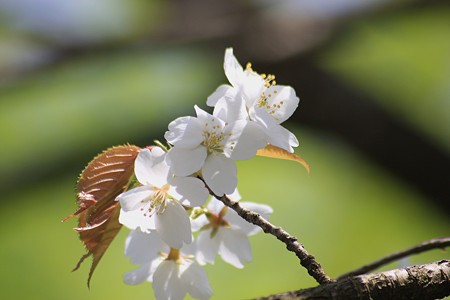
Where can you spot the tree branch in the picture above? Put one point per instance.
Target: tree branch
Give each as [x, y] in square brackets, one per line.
[428, 281]
[306, 260]
[441, 243]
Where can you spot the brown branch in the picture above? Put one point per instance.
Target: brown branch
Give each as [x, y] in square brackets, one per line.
[441, 243]
[428, 281]
[306, 260]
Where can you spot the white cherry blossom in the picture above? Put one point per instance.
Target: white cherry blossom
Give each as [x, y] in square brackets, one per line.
[225, 233]
[210, 144]
[157, 204]
[173, 272]
[266, 103]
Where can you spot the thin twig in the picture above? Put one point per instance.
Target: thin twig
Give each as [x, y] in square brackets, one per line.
[306, 260]
[440, 243]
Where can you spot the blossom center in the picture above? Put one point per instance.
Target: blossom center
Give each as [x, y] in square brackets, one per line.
[216, 220]
[214, 137]
[156, 201]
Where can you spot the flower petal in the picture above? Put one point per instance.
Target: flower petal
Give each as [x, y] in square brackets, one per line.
[252, 86]
[144, 247]
[281, 102]
[184, 162]
[215, 205]
[233, 69]
[220, 93]
[283, 138]
[277, 135]
[207, 247]
[166, 282]
[150, 167]
[196, 280]
[134, 219]
[173, 225]
[199, 222]
[220, 174]
[189, 190]
[185, 132]
[132, 199]
[139, 275]
[231, 109]
[208, 120]
[247, 138]
[235, 247]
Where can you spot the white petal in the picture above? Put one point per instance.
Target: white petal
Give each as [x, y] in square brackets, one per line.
[150, 167]
[247, 228]
[134, 219]
[173, 225]
[220, 174]
[139, 275]
[235, 247]
[185, 132]
[131, 200]
[220, 93]
[233, 70]
[281, 103]
[207, 119]
[199, 222]
[277, 135]
[184, 162]
[143, 247]
[207, 247]
[251, 88]
[189, 190]
[215, 205]
[247, 138]
[281, 137]
[195, 278]
[166, 282]
[231, 108]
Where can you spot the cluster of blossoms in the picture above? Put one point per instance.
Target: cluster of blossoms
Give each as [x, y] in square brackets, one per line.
[171, 202]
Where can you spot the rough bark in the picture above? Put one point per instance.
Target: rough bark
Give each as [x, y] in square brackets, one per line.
[428, 281]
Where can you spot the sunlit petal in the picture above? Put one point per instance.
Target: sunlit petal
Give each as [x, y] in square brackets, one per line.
[233, 69]
[219, 94]
[137, 241]
[247, 138]
[207, 247]
[185, 132]
[185, 162]
[132, 199]
[235, 247]
[150, 168]
[135, 219]
[166, 282]
[195, 278]
[220, 174]
[139, 275]
[173, 225]
[281, 102]
[189, 191]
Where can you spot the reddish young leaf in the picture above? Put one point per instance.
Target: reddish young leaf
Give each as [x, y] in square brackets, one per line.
[104, 178]
[277, 152]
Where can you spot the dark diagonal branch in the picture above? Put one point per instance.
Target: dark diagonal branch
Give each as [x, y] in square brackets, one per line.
[441, 243]
[306, 260]
[422, 282]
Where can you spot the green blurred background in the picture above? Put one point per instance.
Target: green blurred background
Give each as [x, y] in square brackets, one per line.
[373, 76]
